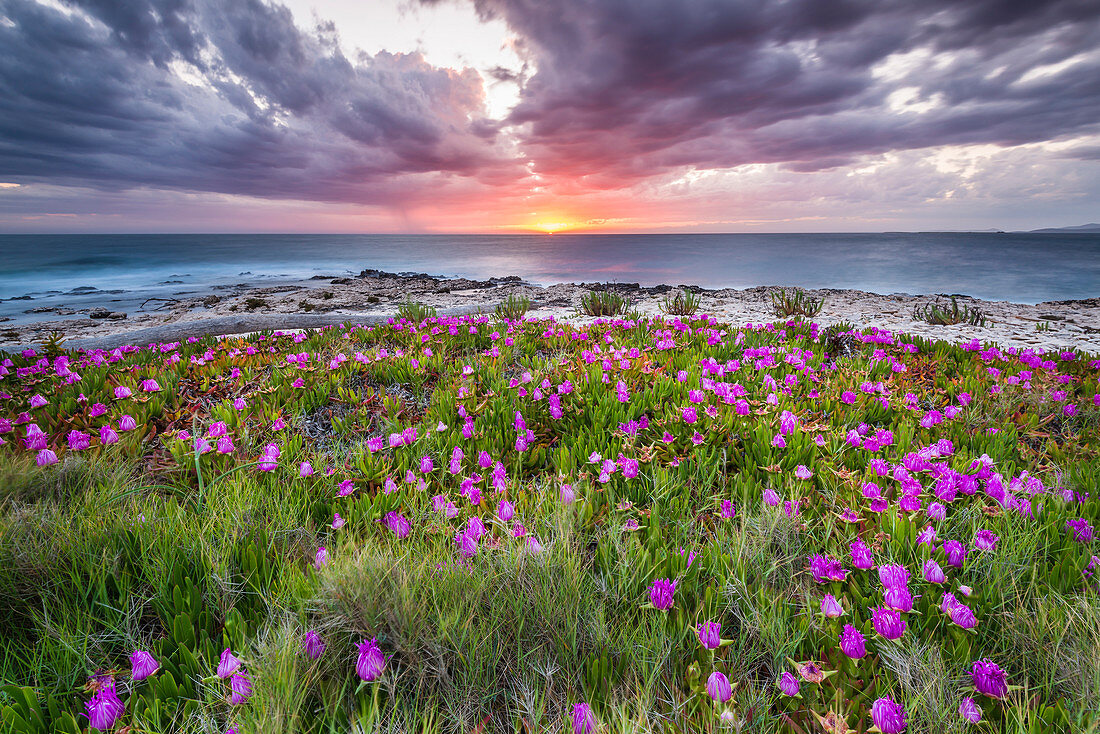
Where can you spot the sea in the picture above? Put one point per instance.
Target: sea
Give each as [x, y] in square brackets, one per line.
[133, 272]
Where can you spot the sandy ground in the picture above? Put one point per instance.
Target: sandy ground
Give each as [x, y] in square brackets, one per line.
[375, 296]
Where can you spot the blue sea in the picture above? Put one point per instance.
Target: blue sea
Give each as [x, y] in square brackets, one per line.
[120, 272]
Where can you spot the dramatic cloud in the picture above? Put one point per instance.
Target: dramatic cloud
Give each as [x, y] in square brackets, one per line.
[231, 97]
[705, 114]
[627, 88]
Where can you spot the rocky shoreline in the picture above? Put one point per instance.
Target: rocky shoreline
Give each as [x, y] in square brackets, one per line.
[376, 295]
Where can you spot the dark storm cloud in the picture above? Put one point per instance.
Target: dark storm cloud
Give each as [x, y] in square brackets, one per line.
[228, 97]
[628, 88]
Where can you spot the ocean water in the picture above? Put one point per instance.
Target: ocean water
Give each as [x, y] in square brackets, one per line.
[120, 272]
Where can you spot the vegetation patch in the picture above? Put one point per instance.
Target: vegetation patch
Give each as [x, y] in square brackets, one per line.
[465, 524]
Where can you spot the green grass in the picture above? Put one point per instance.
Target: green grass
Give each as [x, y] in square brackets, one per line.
[144, 544]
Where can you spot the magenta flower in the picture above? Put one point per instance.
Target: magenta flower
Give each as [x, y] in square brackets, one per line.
[826, 569]
[852, 642]
[830, 607]
[1082, 531]
[45, 457]
[320, 558]
[150, 386]
[37, 401]
[239, 404]
[788, 684]
[505, 511]
[371, 662]
[105, 707]
[228, 664]
[78, 440]
[467, 544]
[985, 540]
[399, 524]
[107, 435]
[240, 687]
[861, 555]
[567, 495]
[337, 521]
[313, 645]
[127, 423]
[142, 665]
[305, 469]
[771, 497]
[963, 616]
[661, 592]
[888, 715]
[955, 552]
[718, 687]
[710, 635]
[802, 472]
[122, 392]
[584, 719]
[989, 679]
[888, 622]
[225, 445]
[970, 710]
[932, 572]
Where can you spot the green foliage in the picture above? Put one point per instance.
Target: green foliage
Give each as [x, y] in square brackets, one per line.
[52, 344]
[937, 315]
[604, 303]
[683, 303]
[415, 312]
[512, 308]
[154, 543]
[795, 302]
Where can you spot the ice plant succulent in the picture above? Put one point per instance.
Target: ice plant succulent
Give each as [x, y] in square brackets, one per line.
[371, 661]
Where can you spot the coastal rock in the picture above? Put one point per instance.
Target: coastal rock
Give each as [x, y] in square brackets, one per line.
[116, 315]
[99, 313]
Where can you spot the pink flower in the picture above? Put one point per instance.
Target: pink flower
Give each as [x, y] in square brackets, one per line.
[228, 664]
[337, 521]
[320, 558]
[305, 469]
[830, 607]
[970, 710]
[802, 472]
[45, 457]
[126, 423]
[150, 386]
[313, 645]
[661, 593]
[710, 635]
[107, 435]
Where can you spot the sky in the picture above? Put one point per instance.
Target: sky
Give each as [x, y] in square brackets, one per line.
[503, 116]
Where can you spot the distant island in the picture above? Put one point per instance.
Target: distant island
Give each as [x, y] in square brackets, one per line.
[1079, 229]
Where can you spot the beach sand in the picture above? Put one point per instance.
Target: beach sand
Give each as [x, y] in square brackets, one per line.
[375, 296]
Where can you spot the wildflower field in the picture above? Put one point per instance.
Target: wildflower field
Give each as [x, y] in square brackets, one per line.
[475, 525]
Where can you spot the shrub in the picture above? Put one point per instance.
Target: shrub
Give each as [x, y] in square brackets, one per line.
[604, 303]
[795, 302]
[513, 308]
[416, 312]
[684, 303]
[253, 303]
[933, 314]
